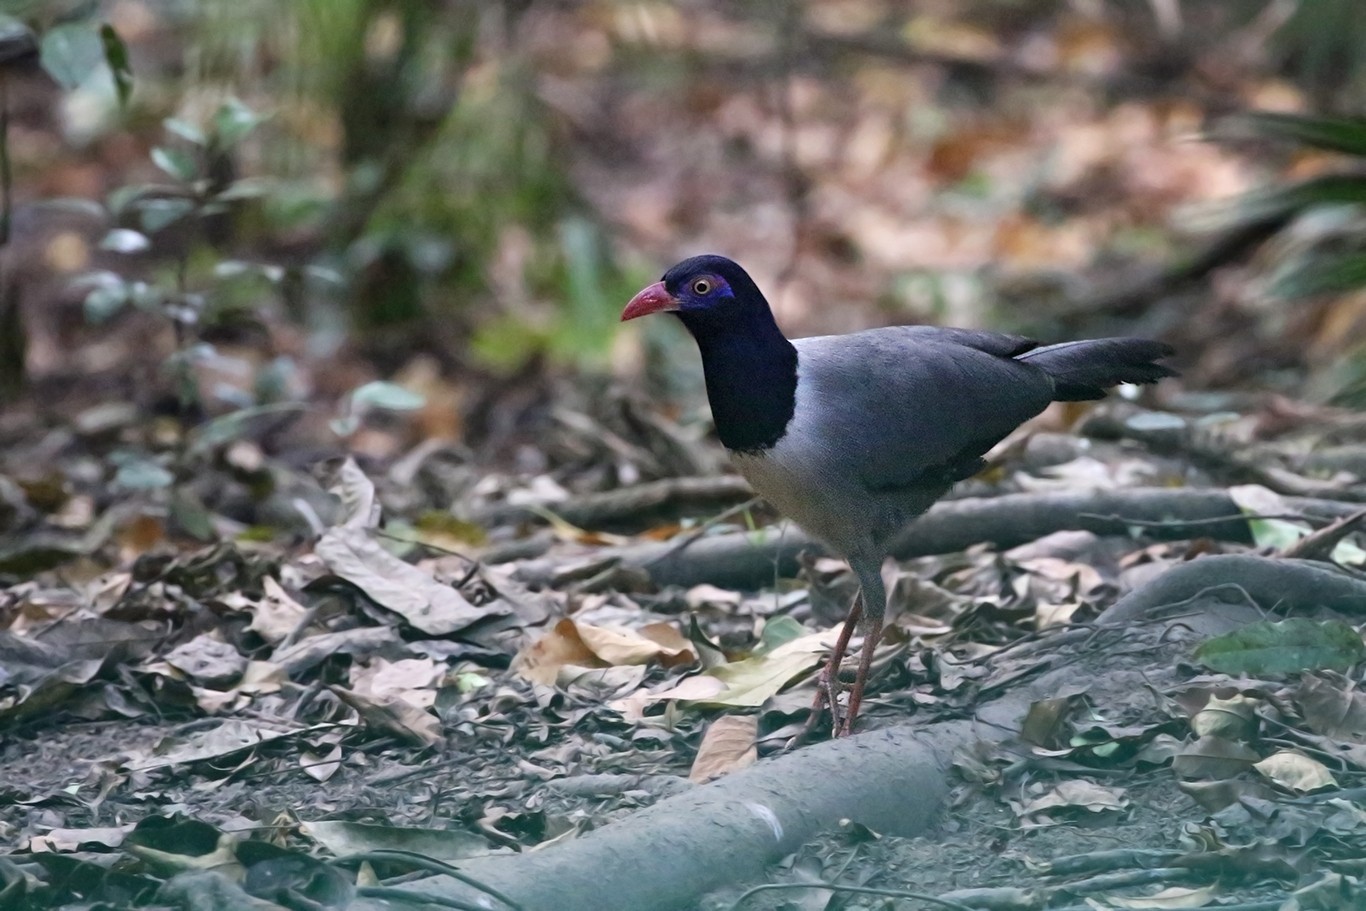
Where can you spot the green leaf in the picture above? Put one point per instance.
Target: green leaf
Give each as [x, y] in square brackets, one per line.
[125, 240]
[185, 130]
[156, 214]
[248, 188]
[104, 302]
[116, 55]
[140, 473]
[1320, 273]
[232, 122]
[779, 631]
[236, 425]
[74, 205]
[1282, 202]
[178, 163]
[386, 397]
[122, 198]
[1334, 134]
[1285, 647]
[70, 53]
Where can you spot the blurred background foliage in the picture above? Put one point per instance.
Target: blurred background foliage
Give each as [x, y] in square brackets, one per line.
[354, 184]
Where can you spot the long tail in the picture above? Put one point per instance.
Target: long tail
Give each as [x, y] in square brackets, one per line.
[1084, 370]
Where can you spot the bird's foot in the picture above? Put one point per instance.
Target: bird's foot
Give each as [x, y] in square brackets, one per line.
[828, 689]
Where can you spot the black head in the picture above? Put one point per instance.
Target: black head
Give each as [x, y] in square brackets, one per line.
[702, 290]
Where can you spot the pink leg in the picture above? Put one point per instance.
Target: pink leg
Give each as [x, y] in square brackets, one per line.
[870, 638]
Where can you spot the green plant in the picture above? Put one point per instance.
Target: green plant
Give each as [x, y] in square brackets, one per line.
[74, 46]
[191, 292]
[1319, 246]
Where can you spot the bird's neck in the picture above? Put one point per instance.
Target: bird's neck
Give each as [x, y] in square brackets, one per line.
[751, 374]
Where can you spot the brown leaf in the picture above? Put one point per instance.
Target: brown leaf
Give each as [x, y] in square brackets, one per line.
[727, 746]
[570, 643]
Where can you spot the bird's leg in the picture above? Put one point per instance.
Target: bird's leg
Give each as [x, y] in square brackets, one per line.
[828, 687]
[874, 602]
[827, 681]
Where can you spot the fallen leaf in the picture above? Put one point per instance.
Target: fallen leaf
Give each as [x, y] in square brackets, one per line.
[427, 605]
[277, 615]
[356, 837]
[727, 746]
[1171, 897]
[1296, 771]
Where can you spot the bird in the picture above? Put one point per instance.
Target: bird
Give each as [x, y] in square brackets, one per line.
[853, 436]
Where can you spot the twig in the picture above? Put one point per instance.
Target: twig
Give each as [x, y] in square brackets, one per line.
[682, 541]
[1320, 544]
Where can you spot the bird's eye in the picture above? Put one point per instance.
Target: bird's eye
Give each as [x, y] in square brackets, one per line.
[701, 286]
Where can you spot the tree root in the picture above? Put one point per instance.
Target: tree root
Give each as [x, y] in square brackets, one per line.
[748, 560]
[893, 780]
[634, 505]
[1281, 585]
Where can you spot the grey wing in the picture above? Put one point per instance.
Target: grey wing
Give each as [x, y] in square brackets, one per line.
[915, 406]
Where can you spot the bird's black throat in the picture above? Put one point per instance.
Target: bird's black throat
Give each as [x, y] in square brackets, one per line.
[751, 374]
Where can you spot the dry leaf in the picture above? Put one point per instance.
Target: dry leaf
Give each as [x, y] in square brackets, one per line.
[277, 614]
[427, 605]
[727, 746]
[1296, 771]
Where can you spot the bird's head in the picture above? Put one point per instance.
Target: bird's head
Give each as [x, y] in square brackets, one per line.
[703, 289]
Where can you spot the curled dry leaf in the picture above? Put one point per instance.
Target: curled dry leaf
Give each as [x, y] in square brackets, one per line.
[360, 507]
[583, 645]
[1332, 705]
[1234, 718]
[742, 684]
[1213, 757]
[1296, 771]
[448, 845]
[727, 746]
[391, 715]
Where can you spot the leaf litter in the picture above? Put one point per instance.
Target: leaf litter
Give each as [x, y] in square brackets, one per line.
[373, 635]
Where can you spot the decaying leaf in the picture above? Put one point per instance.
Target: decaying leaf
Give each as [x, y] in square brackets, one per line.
[412, 680]
[1234, 718]
[208, 660]
[277, 615]
[360, 506]
[226, 739]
